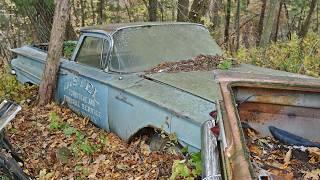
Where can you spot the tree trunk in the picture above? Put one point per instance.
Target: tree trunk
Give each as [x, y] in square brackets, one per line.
[227, 26]
[183, 10]
[215, 17]
[275, 36]
[304, 28]
[70, 33]
[83, 14]
[199, 9]
[261, 20]
[49, 77]
[152, 10]
[238, 25]
[269, 23]
[93, 12]
[317, 26]
[101, 17]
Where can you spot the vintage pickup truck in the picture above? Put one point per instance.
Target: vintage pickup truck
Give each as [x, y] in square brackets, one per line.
[106, 80]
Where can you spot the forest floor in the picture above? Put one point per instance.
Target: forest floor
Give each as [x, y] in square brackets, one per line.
[56, 143]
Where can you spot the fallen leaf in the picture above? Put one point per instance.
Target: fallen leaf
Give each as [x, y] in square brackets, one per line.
[287, 157]
[123, 167]
[312, 175]
[145, 149]
[255, 149]
[314, 151]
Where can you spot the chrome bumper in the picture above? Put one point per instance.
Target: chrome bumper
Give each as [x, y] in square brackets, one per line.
[209, 153]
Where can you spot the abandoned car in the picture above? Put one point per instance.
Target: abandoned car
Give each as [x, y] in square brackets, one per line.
[108, 80]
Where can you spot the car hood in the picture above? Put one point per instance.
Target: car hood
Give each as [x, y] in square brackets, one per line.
[205, 84]
[198, 83]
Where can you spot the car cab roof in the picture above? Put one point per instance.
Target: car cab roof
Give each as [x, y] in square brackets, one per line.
[112, 28]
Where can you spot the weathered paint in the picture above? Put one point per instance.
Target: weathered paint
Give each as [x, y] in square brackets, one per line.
[235, 155]
[122, 105]
[199, 83]
[177, 103]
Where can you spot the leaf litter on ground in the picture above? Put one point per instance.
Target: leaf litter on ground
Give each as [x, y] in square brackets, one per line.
[269, 156]
[56, 143]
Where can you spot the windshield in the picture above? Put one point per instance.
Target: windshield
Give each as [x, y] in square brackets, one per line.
[139, 49]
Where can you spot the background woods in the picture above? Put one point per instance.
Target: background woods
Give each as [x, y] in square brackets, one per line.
[237, 25]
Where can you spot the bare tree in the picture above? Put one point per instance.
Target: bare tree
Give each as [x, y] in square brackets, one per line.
[198, 9]
[275, 36]
[215, 16]
[227, 25]
[93, 12]
[101, 15]
[183, 10]
[83, 13]
[237, 25]
[269, 22]
[306, 24]
[152, 10]
[261, 20]
[49, 77]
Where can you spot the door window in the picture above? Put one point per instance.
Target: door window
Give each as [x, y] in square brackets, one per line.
[93, 52]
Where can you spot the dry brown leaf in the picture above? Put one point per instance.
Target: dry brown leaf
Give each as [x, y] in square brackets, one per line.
[255, 149]
[314, 151]
[287, 157]
[312, 175]
[251, 133]
[314, 160]
[145, 149]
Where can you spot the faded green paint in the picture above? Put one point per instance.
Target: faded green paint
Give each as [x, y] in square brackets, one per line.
[198, 83]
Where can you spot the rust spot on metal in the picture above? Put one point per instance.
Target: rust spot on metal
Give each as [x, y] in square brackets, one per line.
[267, 103]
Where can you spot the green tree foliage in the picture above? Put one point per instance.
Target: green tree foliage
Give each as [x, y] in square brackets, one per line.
[293, 56]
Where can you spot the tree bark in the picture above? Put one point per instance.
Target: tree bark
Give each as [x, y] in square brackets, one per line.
[261, 20]
[199, 8]
[183, 10]
[101, 17]
[275, 36]
[238, 25]
[93, 12]
[304, 28]
[70, 33]
[152, 10]
[49, 77]
[226, 27]
[269, 23]
[215, 17]
[83, 14]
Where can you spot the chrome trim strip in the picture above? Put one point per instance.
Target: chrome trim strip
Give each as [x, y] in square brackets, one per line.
[209, 153]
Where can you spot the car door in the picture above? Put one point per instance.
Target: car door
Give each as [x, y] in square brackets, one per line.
[82, 81]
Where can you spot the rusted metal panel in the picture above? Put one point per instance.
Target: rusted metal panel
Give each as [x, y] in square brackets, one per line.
[291, 91]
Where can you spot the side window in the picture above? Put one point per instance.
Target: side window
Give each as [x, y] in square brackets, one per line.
[93, 52]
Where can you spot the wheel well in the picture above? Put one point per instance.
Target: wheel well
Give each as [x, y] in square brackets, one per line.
[145, 131]
[28, 83]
